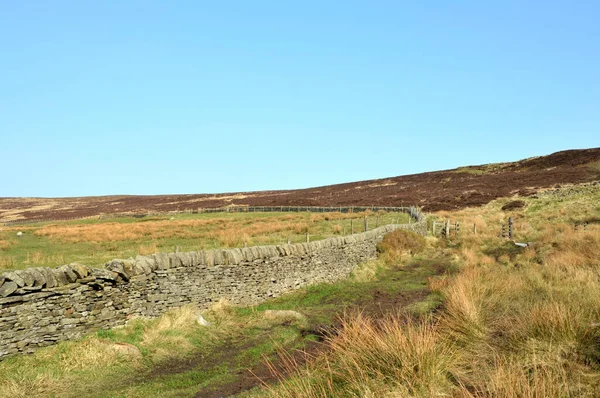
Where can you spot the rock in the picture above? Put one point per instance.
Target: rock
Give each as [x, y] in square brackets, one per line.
[59, 277]
[200, 319]
[284, 314]
[174, 260]
[15, 277]
[234, 256]
[118, 267]
[27, 277]
[219, 257]
[39, 279]
[81, 270]
[66, 270]
[104, 274]
[162, 261]
[144, 263]
[126, 349]
[8, 288]
[185, 259]
[209, 257]
[48, 277]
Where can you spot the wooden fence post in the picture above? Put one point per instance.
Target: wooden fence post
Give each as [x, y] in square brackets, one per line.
[366, 224]
[503, 230]
[510, 228]
[456, 228]
[433, 228]
[351, 226]
[377, 221]
[474, 229]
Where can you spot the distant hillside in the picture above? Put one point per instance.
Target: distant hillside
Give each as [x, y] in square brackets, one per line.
[440, 190]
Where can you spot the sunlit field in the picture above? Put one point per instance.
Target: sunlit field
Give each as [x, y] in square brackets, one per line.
[94, 241]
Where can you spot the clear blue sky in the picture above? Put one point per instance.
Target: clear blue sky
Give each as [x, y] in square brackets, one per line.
[139, 97]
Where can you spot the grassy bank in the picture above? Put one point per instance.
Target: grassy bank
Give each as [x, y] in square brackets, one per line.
[94, 242]
[516, 322]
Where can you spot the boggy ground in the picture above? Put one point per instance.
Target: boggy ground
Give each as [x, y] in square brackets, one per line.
[440, 190]
[173, 356]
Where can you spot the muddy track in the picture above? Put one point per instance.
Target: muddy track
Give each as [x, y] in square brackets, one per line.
[441, 190]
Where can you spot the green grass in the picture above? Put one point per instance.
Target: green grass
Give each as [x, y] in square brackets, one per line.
[222, 230]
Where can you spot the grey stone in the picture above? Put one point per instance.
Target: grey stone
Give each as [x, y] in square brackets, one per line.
[27, 277]
[162, 261]
[118, 267]
[8, 288]
[59, 277]
[80, 270]
[104, 274]
[209, 257]
[185, 259]
[219, 257]
[174, 260]
[15, 277]
[144, 263]
[68, 273]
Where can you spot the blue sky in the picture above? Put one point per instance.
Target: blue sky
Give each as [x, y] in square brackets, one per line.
[138, 97]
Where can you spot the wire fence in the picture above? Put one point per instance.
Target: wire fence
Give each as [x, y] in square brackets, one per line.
[414, 212]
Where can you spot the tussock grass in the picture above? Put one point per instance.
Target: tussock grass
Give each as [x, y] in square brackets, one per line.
[516, 322]
[5, 244]
[398, 243]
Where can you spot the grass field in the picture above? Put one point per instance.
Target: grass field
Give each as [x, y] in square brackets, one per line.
[94, 242]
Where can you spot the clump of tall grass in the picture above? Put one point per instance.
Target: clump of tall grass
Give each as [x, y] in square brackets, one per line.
[375, 358]
[400, 242]
[5, 244]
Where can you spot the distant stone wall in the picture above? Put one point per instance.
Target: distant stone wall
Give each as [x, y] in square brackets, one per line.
[41, 306]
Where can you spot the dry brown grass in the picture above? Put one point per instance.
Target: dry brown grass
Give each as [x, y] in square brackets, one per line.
[400, 242]
[525, 323]
[228, 231]
[147, 249]
[5, 244]
[7, 262]
[394, 358]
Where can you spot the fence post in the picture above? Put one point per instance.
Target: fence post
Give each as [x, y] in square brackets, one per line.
[510, 228]
[474, 229]
[447, 228]
[377, 221]
[456, 228]
[307, 238]
[503, 230]
[366, 224]
[351, 226]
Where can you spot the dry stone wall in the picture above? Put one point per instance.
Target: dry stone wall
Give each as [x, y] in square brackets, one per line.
[42, 306]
